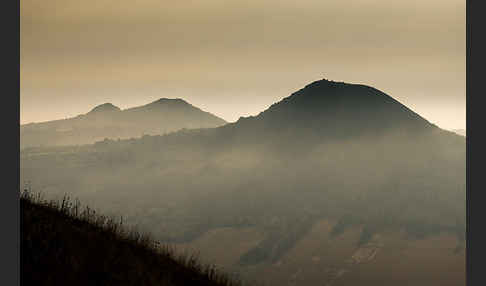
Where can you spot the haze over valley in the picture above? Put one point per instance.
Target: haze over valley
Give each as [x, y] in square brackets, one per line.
[335, 184]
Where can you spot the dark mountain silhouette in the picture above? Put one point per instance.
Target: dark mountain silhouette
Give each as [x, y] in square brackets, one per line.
[340, 109]
[108, 121]
[329, 151]
[334, 109]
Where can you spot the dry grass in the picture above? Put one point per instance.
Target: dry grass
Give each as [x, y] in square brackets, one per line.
[63, 243]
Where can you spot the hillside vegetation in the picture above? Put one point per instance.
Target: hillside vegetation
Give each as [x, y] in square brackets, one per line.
[62, 244]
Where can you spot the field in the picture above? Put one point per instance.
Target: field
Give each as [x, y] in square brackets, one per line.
[320, 258]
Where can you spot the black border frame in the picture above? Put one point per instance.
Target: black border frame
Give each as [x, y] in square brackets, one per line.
[10, 124]
[472, 197]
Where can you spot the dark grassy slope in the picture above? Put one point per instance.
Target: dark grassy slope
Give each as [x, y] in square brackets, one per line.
[330, 150]
[62, 245]
[108, 121]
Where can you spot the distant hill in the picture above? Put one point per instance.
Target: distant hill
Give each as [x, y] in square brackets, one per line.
[460, 131]
[109, 121]
[62, 244]
[346, 153]
[328, 111]
[340, 109]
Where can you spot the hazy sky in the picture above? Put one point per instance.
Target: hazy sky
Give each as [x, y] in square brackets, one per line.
[235, 58]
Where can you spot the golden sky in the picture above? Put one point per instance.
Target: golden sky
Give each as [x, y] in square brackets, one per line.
[236, 57]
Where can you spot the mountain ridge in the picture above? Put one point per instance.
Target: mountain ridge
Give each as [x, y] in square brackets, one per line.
[109, 121]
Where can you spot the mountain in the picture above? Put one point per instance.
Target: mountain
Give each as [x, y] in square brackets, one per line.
[347, 109]
[104, 108]
[460, 131]
[344, 155]
[328, 110]
[62, 244]
[109, 121]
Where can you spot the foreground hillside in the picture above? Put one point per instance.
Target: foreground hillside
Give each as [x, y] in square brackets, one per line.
[62, 245]
[108, 121]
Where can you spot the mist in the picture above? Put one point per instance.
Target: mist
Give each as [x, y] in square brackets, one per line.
[279, 173]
